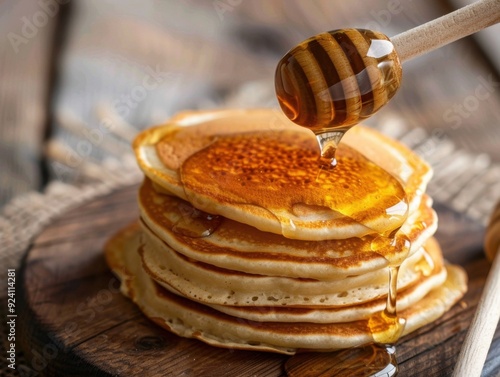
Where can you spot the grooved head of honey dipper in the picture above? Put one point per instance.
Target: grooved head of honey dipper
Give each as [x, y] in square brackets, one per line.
[492, 238]
[335, 79]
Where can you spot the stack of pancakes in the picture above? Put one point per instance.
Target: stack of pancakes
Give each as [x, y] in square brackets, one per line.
[244, 242]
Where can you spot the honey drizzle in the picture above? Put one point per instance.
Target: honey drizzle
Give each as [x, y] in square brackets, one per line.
[328, 143]
[275, 171]
[425, 265]
[385, 326]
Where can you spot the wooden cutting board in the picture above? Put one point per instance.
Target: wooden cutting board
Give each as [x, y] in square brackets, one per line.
[76, 323]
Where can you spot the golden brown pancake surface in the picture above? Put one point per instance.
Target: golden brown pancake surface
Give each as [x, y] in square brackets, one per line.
[279, 172]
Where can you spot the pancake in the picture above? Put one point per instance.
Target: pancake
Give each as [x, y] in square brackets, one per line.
[406, 297]
[193, 163]
[204, 282]
[245, 241]
[191, 319]
[240, 247]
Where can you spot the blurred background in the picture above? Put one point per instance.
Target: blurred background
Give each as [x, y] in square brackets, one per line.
[78, 79]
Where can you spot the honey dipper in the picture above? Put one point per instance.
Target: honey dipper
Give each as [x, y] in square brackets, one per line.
[478, 339]
[330, 82]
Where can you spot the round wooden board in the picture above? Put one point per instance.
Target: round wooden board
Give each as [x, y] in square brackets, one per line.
[75, 322]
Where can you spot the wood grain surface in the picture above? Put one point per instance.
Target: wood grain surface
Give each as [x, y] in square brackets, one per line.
[77, 323]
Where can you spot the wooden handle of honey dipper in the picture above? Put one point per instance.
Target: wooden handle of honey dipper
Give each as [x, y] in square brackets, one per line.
[478, 339]
[446, 29]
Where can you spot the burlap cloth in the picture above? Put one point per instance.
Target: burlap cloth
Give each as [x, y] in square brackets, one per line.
[25, 217]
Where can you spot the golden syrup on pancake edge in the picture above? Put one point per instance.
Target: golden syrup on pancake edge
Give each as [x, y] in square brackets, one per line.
[195, 223]
[425, 265]
[191, 222]
[385, 326]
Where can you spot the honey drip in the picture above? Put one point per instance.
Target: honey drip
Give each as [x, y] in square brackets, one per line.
[386, 327]
[425, 265]
[195, 223]
[328, 143]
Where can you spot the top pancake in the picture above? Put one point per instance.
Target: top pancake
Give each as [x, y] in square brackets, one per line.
[266, 176]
